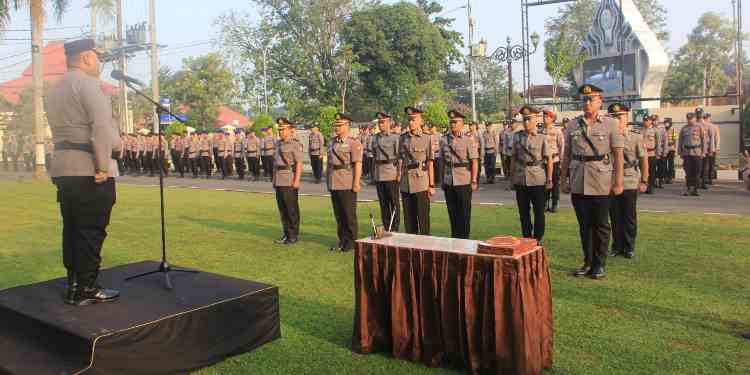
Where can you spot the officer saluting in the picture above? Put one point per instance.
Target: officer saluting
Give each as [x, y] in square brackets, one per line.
[593, 153]
[344, 172]
[459, 171]
[417, 174]
[531, 173]
[386, 172]
[624, 212]
[80, 118]
[286, 178]
[690, 148]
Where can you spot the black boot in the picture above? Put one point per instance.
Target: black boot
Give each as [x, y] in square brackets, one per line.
[282, 240]
[96, 294]
[583, 271]
[72, 294]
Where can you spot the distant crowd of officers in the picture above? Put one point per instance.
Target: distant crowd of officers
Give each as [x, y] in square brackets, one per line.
[18, 152]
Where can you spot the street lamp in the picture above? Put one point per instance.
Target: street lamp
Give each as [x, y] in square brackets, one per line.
[508, 54]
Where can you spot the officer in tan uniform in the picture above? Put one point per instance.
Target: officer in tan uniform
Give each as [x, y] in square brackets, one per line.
[239, 153]
[288, 158]
[713, 149]
[80, 119]
[671, 149]
[205, 153]
[267, 152]
[252, 153]
[316, 142]
[478, 143]
[417, 174]
[706, 147]
[365, 135]
[343, 174]
[556, 144]
[691, 145]
[491, 144]
[592, 169]
[623, 214]
[435, 138]
[194, 153]
[531, 173]
[661, 160]
[653, 147]
[6, 153]
[386, 173]
[459, 174]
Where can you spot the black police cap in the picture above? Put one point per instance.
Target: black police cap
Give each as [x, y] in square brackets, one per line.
[589, 89]
[528, 111]
[690, 115]
[618, 108]
[412, 110]
[76, 47]
[342, 116]
[283, 121]
[382, 115]
[455, 114]
[699, 111]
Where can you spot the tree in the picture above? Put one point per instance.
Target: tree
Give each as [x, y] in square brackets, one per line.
[698, 66]
[104, 8]
[326, 118]
[403, 50]
[204, 84]
[435, 113]
[561, 56]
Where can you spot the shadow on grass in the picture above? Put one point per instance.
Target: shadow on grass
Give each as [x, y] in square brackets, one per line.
[272, 232]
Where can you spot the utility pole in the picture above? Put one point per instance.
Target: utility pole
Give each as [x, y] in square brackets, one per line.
[37, 29]
[154, 61]
[92, 8]
[123, 89]
[739, 57]
[470, 61]
[265, 79]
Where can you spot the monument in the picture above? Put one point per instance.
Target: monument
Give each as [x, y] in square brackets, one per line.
[622, 44]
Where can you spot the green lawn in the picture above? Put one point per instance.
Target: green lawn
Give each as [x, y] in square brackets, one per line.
[675, 309]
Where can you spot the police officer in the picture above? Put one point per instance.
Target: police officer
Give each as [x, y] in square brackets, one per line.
[478, 143]
[706, 147]
[239, 154]
[713, 149]
[459, 174]
[435, 138]
[267, 151]
[217, 146]
[148, 152]
[176, 149]
[288, 157]
[205, 154]
[6, 154]
[194, 153]
[365, 136]
[690, 147]
[671, 149]
[661, 163]
[417, 174]
[385, 146]
[343, 176]
[623, 213]
[591, 169]
[316, 142]
[531, 173]
[252, 153]
[80, 118]
[653, 147]
[556, 144]
[491, 143]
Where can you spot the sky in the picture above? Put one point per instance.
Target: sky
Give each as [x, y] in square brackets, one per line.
[187, 28]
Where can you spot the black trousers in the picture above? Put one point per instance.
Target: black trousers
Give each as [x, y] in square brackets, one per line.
[239, 166]
[85, 208]
[438, 178]
[317, 167]
[706, 170]
[177, 161]
[253, 166]
[458, 201]
[661, 168]
[692, 166]
[186, 167]
[416, 212]
[592, 213]
[712, 173]
[623, 216]
[652, 171]
[149, 162]
[287, 199]
[159, 161]
[345, 211]
[389, 204]
[205, 165]
[267, 165]
[489, 166]
[218, 161]
[141, 162]
[28, 161]
[227, 166]
[670, 165]
[554, 194]
[6, 160]
[195, 166]
[506, 166]
[528, 197]
[120, 166]
[366, 166]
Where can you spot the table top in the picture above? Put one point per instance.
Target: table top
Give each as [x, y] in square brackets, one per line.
[432, 243]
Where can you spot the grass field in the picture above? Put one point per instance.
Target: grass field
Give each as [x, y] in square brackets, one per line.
[675, 309]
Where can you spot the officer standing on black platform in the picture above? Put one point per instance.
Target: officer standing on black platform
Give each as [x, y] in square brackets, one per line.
[288, 156]
[417, 174]
[386, 172]
[593, 160]
[80, 118]
[459, 171]
[624, 211]
[690, 148]
[316, 143]
[531, 173]
[344, 171]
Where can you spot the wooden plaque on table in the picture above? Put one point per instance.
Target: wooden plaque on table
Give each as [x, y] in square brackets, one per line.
[506, 246]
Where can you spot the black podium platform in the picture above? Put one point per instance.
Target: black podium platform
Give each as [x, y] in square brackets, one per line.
[205, 319]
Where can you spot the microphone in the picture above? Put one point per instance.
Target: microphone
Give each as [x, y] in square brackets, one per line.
[118, 75]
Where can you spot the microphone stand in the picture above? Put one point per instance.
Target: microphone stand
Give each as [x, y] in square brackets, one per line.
[164, 266]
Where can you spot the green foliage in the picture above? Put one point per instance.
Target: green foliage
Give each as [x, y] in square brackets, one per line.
[175, 128]
[263, 120]
[204, 84]
[435, 113]
[702, 59]
[326, 119]
[561, 56]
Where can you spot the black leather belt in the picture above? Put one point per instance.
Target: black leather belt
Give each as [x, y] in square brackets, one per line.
[389, 161]
[692, 147]
[68, 146]
[282, 168]
[314, 150]
[534, 163]
[587, 159]
[340, 167]
[632, 164]
[417, 165]
[650, 149]
[457, 165]
[115, 155]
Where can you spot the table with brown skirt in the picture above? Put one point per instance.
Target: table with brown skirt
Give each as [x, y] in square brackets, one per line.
[438, 301]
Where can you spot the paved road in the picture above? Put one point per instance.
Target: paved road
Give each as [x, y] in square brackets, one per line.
[725, 197]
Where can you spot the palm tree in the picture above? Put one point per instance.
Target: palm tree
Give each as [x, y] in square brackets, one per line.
[36, 11]
[104, 8]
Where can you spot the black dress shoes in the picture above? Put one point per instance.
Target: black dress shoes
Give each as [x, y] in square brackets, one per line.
[291, 241]
[335, 248]
[282, 240]
[629, 254]
[615, 253]
[597, 274]
[583, 271]
[89, 296]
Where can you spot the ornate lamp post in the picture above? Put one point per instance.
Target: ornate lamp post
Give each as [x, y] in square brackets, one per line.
[509, 54]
